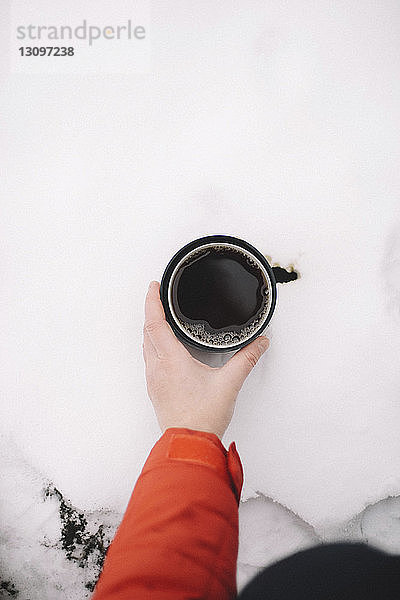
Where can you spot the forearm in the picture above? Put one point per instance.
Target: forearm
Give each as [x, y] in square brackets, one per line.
[179, 534]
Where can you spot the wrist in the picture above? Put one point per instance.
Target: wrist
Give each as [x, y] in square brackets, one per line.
[194, 428]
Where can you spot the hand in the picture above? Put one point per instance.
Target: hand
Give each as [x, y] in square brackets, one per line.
[184, 391]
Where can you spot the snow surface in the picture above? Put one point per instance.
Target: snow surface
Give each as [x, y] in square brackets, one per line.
[274, 122]
[51, 549]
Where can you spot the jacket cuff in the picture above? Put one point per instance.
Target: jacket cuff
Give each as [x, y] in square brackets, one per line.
[198, 447]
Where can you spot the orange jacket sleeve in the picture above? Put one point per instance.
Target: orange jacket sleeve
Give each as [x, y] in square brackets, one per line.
[178, 539]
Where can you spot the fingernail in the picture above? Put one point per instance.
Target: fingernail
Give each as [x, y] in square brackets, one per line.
[152, 284]
[263, 342]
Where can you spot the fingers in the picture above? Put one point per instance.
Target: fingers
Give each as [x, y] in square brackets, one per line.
[153, 308]
[149, 352]
[156, 327]
[241, 364]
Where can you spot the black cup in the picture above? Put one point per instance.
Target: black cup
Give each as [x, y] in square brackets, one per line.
[167, 289]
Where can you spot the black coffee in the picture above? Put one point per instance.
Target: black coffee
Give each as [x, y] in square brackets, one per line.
[220, 295]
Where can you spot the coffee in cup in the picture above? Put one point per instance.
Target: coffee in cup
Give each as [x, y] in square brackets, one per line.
[218, 293]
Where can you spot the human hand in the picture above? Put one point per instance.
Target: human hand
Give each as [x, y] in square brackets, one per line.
[184, 391]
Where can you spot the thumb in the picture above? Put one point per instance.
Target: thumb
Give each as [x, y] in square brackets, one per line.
[241, 364]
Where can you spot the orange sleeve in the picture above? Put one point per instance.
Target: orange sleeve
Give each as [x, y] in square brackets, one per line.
[178, 538]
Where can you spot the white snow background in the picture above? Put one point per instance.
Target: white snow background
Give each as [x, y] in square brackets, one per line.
[275, 122]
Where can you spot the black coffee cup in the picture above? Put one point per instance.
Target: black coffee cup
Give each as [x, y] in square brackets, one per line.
[218, 293]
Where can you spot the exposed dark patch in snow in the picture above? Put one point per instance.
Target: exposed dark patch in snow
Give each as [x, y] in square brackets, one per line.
[8, 590]
[84, 538]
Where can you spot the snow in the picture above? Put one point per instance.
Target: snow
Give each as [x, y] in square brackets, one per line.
[48, 548]
[274, 122]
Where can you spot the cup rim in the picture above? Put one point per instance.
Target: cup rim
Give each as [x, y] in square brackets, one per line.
[171, 268]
